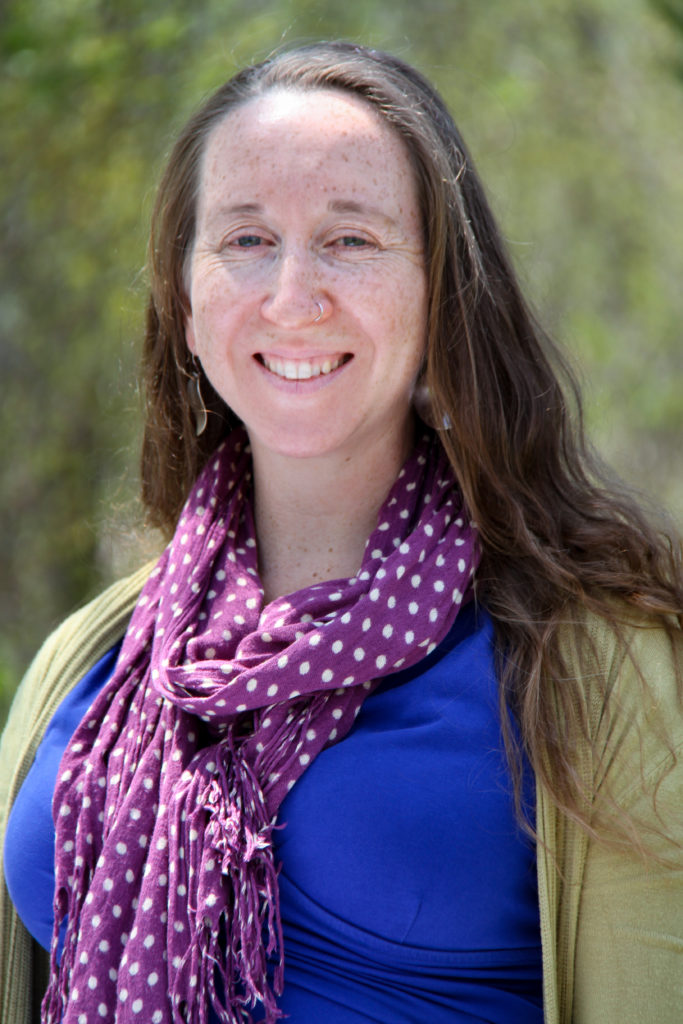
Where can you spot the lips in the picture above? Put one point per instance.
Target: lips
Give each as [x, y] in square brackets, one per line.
[301, 369]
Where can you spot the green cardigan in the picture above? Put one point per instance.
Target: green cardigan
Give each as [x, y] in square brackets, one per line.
[611, 921]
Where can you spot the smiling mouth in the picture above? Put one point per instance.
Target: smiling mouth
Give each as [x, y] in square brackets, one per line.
[301, 369]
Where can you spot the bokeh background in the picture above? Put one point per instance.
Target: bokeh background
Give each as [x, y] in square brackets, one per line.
[573, 110]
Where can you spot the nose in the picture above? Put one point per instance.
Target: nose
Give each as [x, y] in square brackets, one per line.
[293, 300]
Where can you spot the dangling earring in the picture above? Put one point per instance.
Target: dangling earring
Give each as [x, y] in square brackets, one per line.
[195, 400]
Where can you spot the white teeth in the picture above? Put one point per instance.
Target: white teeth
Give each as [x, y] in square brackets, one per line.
[303, 370]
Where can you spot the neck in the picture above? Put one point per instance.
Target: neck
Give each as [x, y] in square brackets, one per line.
[314, 516]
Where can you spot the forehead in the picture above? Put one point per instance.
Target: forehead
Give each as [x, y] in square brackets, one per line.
[293, 137]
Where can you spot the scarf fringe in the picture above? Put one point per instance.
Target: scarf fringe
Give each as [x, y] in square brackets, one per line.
[231, 944]
[57, 995]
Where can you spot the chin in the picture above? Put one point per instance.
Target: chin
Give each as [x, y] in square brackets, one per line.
[299, 444]
[302, 450]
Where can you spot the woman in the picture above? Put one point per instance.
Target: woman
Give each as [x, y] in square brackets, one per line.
[323, 262]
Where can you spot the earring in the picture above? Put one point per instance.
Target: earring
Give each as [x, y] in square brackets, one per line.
[195, 400]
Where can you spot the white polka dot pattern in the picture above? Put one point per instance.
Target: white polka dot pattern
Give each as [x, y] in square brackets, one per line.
[169, 789]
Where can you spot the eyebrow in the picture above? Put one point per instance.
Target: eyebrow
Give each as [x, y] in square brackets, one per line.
[334, 206]
[224, 211]
[351, 206]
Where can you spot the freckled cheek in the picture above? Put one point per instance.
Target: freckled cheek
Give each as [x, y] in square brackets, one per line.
[414, 334]
[213, 305]
[405, 332]
[414, 308]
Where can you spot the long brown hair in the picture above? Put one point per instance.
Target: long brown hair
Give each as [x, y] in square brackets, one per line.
[558, 534]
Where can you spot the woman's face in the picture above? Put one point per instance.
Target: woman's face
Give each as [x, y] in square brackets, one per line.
[307, 281]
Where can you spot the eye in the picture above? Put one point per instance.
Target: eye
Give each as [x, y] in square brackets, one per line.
[345, 243]
[352, 241]
[248, 241]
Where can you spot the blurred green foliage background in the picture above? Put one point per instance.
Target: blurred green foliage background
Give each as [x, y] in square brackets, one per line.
[573, 110]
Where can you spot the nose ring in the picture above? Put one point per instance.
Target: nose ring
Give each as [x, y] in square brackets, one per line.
[320, 313]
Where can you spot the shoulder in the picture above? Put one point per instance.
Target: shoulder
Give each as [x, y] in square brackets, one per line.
[631, 685]
[67, 654]
[87, 634]
[635, 639]
[619, 662]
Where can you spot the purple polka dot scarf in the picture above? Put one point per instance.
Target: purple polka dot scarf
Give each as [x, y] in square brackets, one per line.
[169, 790]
